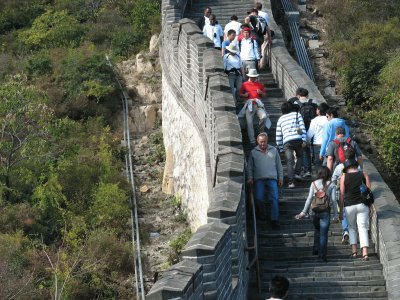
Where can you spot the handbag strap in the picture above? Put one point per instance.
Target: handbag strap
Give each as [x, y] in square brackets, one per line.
[324, 189]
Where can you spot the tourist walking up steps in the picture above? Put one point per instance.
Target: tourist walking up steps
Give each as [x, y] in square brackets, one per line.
[321, 217]
[265, 171]
[314, 133]
[308, 110]
[291, 138]
[357, 213]
[329, 131]
[253, 91]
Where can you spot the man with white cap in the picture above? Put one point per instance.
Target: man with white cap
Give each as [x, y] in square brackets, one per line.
[253, 91]
[232, 67]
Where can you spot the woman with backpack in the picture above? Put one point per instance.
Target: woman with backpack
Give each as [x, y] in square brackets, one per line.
[319, 201]
[357, 213]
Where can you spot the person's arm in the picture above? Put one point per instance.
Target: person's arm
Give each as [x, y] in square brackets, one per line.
[303, 128]
[367, 180]
[358, 153]
[221, 34]
[261, 91]
[279, 167]
[225, 63]
[309, 199]
[279, 136]
[242, 92]
[329, 163]
[310, 132]
[269, 38]
[255, 49]
[325, 137]
[342, 190]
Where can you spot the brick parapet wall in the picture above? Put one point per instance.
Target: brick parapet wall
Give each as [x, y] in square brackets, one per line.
[385, 229]
[214, 260]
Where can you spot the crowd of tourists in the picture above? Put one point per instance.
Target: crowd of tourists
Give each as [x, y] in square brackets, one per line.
[310, 135]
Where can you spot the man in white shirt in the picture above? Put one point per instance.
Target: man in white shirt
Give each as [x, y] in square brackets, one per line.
[214, 32]
[315, 132]
[232, 67]
[248, 49]
[233, 24]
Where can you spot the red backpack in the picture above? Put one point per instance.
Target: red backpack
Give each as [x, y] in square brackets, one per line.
[342, 147]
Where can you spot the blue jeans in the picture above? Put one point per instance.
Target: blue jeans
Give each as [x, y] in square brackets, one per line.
[273, 195]
[307, 159]
[291, 147]
[321, 223]
[345, 225]
[235, 82]
[317, 162]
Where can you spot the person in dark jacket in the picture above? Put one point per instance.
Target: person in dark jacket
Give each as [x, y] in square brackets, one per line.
[205, 18]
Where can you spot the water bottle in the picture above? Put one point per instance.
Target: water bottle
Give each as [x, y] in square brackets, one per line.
[363, 189]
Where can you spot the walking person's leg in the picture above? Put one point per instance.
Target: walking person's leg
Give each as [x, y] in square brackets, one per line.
[351, 215]
[363, 227]
[249, 121]
[307, 161]
[298, 148]
[317, 227]
[259, 186]
[324, 222]
[289, 153]
[232, 81]
[273, 196]
[238, 84]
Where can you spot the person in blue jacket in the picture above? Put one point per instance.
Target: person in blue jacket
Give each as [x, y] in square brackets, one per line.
[329, 132]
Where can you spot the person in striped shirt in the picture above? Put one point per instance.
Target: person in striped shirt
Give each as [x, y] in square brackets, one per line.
[291, 138]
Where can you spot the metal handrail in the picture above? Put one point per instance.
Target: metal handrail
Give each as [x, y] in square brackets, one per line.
[255, 260]
[300, 49]
[140, 292]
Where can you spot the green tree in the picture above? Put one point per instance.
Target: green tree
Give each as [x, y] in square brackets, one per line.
[24, 117]
[53, 29]
[15, 14]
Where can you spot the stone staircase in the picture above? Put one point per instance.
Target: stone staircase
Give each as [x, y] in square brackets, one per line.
[287, 251]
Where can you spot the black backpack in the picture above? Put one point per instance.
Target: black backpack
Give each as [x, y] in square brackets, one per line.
[262, 26]
[308, 111]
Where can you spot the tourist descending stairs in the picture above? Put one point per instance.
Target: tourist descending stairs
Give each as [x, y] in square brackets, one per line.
[288, 251]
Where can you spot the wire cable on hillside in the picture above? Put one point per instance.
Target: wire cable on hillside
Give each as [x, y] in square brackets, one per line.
[140, 292]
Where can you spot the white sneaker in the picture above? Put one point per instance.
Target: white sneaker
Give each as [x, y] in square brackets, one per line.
[291, 186]
[298, 177]
[345, 238]
[307, 175]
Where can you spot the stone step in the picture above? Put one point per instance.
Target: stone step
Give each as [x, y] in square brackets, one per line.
[333, 262]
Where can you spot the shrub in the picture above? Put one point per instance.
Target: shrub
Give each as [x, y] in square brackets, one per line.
[53, 29]
[385, 115]
[39, 64]
[178, 244]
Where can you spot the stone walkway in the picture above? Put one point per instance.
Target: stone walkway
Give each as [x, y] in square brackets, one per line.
[288, 251]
